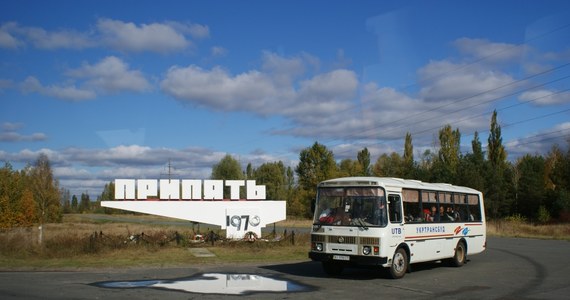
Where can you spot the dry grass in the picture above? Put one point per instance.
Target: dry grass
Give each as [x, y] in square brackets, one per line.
[514, 228]
[83, 243]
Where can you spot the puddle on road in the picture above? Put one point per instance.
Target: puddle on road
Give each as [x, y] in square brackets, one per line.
[214, 283]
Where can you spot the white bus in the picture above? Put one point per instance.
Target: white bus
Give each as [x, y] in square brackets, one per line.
[392, 222]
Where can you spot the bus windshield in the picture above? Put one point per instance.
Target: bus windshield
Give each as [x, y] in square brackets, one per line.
[351, 206]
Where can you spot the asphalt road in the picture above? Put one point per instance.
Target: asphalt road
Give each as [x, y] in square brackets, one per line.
[509, 269]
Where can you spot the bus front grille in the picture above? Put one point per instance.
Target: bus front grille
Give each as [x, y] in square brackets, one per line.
[341, 239]
[317, 238]
[369, 241]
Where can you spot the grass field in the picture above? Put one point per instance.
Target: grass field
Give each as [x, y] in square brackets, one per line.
[502, 228]
[125, 241]
[89, 241]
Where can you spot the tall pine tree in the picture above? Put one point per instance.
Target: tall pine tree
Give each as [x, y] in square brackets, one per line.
[496, 184]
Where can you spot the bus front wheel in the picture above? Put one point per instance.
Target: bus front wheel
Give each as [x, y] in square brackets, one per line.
[399, 264]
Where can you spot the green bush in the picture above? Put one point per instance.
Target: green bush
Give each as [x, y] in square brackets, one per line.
[543, 215]
[516, 218]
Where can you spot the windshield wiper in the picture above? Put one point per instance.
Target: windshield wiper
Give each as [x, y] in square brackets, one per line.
[361, 224]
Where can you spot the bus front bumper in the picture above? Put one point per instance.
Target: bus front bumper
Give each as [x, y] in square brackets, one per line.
[352, 259]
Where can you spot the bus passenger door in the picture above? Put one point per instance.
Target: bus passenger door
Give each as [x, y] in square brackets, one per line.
[396, 224]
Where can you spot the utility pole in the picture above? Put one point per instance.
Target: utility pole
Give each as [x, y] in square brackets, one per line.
[169, 170]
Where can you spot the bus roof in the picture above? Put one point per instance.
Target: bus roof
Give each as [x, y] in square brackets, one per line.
[389, 182]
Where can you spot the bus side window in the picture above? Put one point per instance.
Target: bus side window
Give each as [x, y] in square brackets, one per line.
[395, 208]
[412, 211]
[463, 208]
[430, 211]
[474, 208]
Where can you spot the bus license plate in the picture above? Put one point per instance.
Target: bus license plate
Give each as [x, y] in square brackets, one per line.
[341, 257]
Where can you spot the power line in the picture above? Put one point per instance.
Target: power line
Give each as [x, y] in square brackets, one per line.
[511, 148]
[540, 136]
[537, 118]
[495, 53]
[521, 121]
[477, 61]
[502, 109]
[536, 37]
[458, 101]
[498, 110]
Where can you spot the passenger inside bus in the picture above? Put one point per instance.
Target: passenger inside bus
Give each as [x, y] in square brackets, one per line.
[379, 217]
[337, 216]
[427, 215]
[449, 214]
[435, 217]
[327, 216]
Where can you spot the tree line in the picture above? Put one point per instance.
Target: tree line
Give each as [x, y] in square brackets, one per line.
[29, 196]
[534, 187]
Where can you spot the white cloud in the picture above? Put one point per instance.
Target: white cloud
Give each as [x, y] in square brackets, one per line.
[27, 156]
[12, 35]
[322, 97]
[71, 173]
[141, 156]
[445, 81]
[9, 126]
[276, 89]
[68, 92]
[81, 170]
[338, 84]
[196, 31]
[64, 39]
[9, 133]
[111, 74]
[383, 113]
[218, 51]
[163, 37]
[283, 70]
[489, 52]
[7, 38]
[155, 37]
[545, 97]
[335, 104]
[199, 31]
[539, 142]
[17, 137]
[219, 90]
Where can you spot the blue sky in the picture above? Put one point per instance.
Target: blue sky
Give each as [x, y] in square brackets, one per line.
[116, 89]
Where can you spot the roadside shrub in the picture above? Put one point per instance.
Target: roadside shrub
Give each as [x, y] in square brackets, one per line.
[67, 245]
[543, 215]
[18, 242]
[516, 218]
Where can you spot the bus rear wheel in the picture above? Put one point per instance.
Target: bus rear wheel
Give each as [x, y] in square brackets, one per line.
[399, 264]
[332, 268]
[460, 256]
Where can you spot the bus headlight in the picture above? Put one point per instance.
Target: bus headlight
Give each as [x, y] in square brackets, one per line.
[319, 247]
[366, 250]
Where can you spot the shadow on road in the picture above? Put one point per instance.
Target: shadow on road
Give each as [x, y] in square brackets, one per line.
[315, 270]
